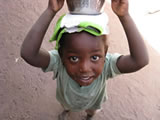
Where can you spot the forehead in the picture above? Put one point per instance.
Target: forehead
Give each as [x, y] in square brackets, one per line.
[83, 40]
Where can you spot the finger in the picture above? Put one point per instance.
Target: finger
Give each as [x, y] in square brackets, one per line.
[123, 1]
[115, 0]
[61, 1]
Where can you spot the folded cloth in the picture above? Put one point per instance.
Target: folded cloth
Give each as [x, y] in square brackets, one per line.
[69, 23]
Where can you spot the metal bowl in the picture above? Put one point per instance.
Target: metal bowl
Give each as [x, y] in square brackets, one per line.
[85, 6]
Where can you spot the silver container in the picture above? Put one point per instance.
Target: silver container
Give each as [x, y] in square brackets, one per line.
[85, 6]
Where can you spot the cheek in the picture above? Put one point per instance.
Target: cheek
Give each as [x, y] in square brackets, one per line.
[99, 67]
[71, 69]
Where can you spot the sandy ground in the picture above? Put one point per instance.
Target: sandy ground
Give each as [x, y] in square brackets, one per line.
[26, 93]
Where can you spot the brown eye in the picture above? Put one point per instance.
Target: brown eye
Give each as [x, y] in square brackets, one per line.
[95, 58]
[74, 59]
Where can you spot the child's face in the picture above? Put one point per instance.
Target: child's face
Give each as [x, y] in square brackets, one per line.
[83, 56]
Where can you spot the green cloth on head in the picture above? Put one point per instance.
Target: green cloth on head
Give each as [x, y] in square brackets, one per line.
[87, 26]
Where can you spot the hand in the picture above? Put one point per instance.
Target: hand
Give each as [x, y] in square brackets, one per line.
[55, 5]
[120, 7]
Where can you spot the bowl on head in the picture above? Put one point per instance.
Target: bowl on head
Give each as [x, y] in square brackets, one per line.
[88, 7]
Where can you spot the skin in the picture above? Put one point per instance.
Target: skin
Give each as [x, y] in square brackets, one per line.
[83, 58]
[32, 53]
[31, 50]
[138, 57]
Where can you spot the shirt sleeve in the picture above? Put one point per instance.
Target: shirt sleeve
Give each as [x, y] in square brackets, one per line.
[54, 62]
[111, 69]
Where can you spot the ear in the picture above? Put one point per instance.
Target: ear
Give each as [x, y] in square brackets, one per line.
[61, 55]
[62, 60]
[105, 40]
[106, 49]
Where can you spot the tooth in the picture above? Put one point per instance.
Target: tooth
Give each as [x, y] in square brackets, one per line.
[86, 78]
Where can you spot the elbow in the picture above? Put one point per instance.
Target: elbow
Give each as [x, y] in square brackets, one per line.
[27, 57]
[144, 60]
[23, 53]
[143, 63]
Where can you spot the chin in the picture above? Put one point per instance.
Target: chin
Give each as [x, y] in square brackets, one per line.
[85, 83]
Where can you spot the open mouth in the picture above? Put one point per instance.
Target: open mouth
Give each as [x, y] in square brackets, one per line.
[85, 80]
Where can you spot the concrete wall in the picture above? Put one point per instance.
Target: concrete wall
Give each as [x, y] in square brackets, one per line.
[26, 93]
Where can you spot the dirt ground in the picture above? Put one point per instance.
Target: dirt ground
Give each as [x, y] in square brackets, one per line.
[26, 93]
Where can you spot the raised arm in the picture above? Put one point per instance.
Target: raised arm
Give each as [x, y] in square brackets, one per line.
[31, 50]
[138, 57]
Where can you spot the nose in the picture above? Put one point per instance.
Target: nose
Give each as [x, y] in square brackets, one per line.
[85, 67]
